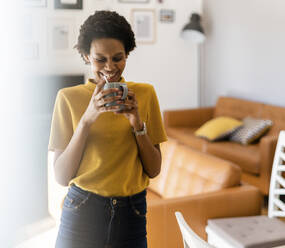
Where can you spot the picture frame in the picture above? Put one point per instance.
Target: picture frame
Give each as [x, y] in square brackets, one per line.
[133, 1]
[61, 36]
[31, 37]
[68, 4]
[35, 3]
[143, 24]
[167, 15]
[30, 27]
[30, 50]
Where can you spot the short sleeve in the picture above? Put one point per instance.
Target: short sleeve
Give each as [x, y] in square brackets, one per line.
[61, 124]
[155, 128]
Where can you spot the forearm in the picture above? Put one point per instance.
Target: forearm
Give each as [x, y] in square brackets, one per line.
[150, 155]
[68, 162]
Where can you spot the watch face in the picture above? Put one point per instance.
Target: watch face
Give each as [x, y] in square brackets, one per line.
[143, 132]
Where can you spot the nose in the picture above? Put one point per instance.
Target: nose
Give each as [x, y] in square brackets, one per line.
[109, 65]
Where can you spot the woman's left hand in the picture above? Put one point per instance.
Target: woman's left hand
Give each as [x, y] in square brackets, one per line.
[131, 110]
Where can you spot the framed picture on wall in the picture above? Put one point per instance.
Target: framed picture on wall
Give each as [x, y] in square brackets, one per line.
[143, 23]
[30, 27]
[30, 50]
[61, 36]
[133, 1]
[35, 3]
[68, 4]
[166, 15]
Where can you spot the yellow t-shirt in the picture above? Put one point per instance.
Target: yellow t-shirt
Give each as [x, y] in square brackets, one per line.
[110, 164]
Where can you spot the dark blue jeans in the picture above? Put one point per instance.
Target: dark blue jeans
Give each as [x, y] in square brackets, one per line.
[92, 221]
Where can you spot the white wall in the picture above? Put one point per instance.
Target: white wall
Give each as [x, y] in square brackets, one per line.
[169, 64]
[12, 170]
[244, 52]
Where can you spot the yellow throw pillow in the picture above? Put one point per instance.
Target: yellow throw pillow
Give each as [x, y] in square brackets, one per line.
[218, 128]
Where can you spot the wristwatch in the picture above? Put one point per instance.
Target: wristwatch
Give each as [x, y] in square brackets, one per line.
[141, 132]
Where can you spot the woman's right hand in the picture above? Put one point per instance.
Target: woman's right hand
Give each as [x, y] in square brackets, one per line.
[97, 103]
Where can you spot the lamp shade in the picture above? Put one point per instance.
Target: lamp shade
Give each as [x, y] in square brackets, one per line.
[193, 30]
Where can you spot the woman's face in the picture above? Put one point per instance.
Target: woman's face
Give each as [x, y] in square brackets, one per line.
[107, 57]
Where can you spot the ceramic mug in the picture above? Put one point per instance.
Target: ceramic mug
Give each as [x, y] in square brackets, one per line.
[121, 86]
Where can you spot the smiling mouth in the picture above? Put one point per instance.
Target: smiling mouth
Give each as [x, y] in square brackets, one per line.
[111, 76]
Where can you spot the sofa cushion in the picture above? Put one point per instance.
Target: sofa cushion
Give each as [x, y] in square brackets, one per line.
[247, 157]
[189, 172]
[251, 130]
[237, 108]
[167, 151]
[186, 135]
[218, 128]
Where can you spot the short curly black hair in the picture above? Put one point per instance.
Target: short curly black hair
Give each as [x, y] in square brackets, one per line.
[105, 24]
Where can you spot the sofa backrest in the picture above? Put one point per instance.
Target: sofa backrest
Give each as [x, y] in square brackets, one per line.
[277, 115]
[187, 172]
[239, 108]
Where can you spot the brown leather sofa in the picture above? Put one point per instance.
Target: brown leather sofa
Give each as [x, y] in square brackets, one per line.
[255, 160]
[199, 185]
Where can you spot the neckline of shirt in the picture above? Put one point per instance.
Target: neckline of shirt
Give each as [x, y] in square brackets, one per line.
[91, 85]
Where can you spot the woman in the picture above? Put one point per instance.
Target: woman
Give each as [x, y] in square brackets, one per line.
[105, 155]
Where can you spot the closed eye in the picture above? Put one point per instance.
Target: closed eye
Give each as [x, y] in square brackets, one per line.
[101, 60]
[117, 59]
[104, 60]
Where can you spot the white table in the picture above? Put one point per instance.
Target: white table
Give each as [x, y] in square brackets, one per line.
[246, 232]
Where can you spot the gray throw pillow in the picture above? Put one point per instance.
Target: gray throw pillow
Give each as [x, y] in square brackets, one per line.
[251, 130]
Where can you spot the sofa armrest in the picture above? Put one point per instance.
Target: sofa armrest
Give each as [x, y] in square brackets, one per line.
[187, 117]
[163, 230]
[267, 146]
